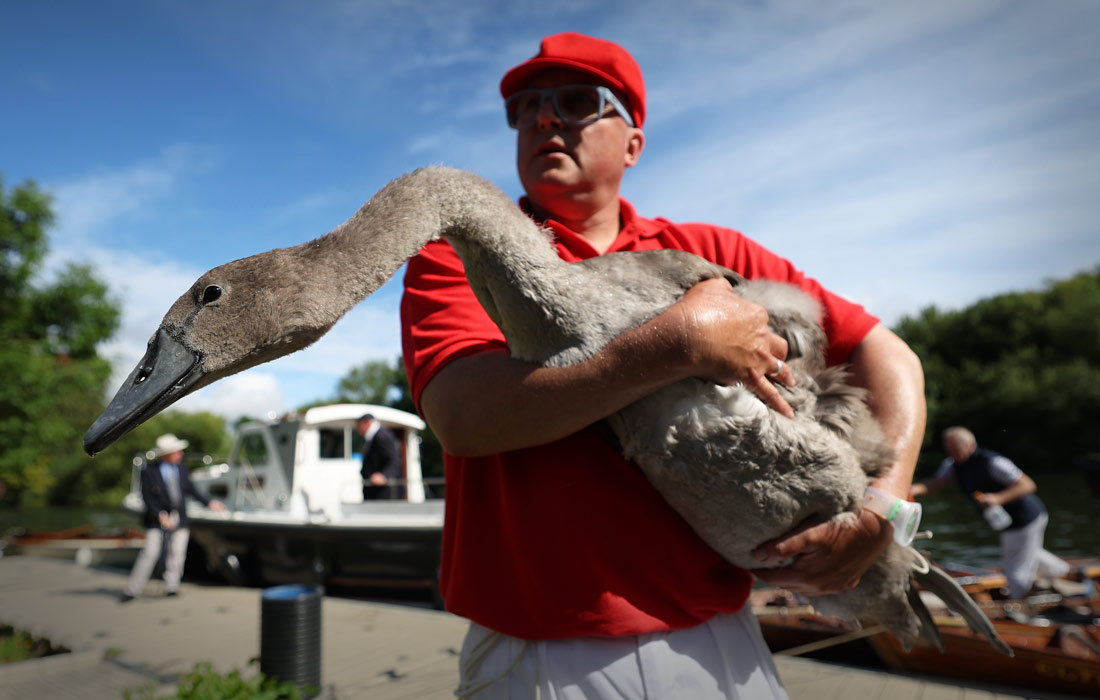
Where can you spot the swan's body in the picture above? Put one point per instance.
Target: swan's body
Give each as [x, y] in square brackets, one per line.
[739, 473]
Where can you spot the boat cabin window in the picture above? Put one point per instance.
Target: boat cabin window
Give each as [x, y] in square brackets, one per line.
[333, 442]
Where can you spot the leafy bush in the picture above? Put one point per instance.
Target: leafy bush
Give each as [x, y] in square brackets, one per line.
[203, 683]
[18, 646]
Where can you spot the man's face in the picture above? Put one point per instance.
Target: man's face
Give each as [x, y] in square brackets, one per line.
[364, 426]
[557, 162]
[173, 457]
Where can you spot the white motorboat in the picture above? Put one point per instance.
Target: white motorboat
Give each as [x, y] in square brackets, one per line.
[295, 508]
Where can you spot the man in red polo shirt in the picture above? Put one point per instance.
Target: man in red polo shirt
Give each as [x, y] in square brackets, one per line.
[578, 579]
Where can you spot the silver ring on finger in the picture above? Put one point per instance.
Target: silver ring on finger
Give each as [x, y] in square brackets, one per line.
[778, 368]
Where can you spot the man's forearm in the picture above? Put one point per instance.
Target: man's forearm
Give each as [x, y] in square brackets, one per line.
[490, 403]
[892, 373]
[1023, 486]
[927, 488]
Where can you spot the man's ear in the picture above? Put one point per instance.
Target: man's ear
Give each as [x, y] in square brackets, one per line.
[635, 144]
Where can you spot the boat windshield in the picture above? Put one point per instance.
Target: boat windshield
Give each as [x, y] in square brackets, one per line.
[252, 450]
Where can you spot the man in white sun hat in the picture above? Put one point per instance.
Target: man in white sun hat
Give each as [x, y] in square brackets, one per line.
[164, 487]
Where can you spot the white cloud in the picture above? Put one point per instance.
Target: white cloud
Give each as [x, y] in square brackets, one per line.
[958, 166]
[88, 206]
[254, 394]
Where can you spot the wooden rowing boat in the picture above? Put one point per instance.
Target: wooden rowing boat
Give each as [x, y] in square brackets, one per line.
[1062, 657]
[990, 584]
[792, 627]
[1054, 634]
[80, 544]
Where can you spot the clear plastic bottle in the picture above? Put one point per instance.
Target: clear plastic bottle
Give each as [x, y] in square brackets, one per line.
[997, 517]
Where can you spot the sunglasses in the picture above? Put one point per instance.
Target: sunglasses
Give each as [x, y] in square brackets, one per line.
[574, 105]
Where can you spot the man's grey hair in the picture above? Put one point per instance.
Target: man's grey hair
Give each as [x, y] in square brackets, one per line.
[957, 432]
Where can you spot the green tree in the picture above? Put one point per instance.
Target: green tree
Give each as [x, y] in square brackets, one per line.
[53, 378]
[25, 215]
[373, 382]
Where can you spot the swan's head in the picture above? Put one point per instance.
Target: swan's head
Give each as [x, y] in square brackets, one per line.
[234, 317]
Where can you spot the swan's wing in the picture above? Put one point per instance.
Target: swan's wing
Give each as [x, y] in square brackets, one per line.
[928, 630]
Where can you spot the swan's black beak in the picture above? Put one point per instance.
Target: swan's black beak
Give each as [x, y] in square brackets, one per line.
[166, 374]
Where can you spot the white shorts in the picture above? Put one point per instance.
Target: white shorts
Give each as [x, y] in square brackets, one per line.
[725, 657]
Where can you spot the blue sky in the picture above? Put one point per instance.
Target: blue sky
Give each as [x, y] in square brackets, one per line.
[906, 154]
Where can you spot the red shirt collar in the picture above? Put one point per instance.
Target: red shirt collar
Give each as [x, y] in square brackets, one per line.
[573, 247]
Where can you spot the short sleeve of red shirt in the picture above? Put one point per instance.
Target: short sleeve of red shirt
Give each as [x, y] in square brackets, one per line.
[441, 319]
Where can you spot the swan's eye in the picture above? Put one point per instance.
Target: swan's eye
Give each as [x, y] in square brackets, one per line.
[211, 294]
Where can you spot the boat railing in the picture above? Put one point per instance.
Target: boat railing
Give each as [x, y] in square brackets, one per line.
[253, 496]
[429, 481]
[356, 486]
[423, 514]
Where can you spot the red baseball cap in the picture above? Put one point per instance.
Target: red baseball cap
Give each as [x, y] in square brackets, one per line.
[606, 60]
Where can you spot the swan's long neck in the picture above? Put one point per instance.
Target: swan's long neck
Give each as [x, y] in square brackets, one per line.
[512, 266]
[256, 309]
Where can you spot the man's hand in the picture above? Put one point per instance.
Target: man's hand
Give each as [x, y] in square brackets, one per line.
[167, 521]
[832, 556]
[727, 340]
[378, 479]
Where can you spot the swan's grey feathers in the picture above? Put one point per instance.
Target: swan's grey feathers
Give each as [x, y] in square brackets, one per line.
[793, 315]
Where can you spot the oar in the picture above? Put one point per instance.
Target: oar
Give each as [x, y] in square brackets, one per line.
[832, 641]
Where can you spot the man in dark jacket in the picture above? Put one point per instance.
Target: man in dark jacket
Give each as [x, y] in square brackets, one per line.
[164, 487]
[381, 464]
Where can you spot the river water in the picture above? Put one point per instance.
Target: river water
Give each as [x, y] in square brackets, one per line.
[960, 536]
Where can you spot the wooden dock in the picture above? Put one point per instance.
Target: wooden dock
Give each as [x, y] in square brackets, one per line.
[375, 650]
